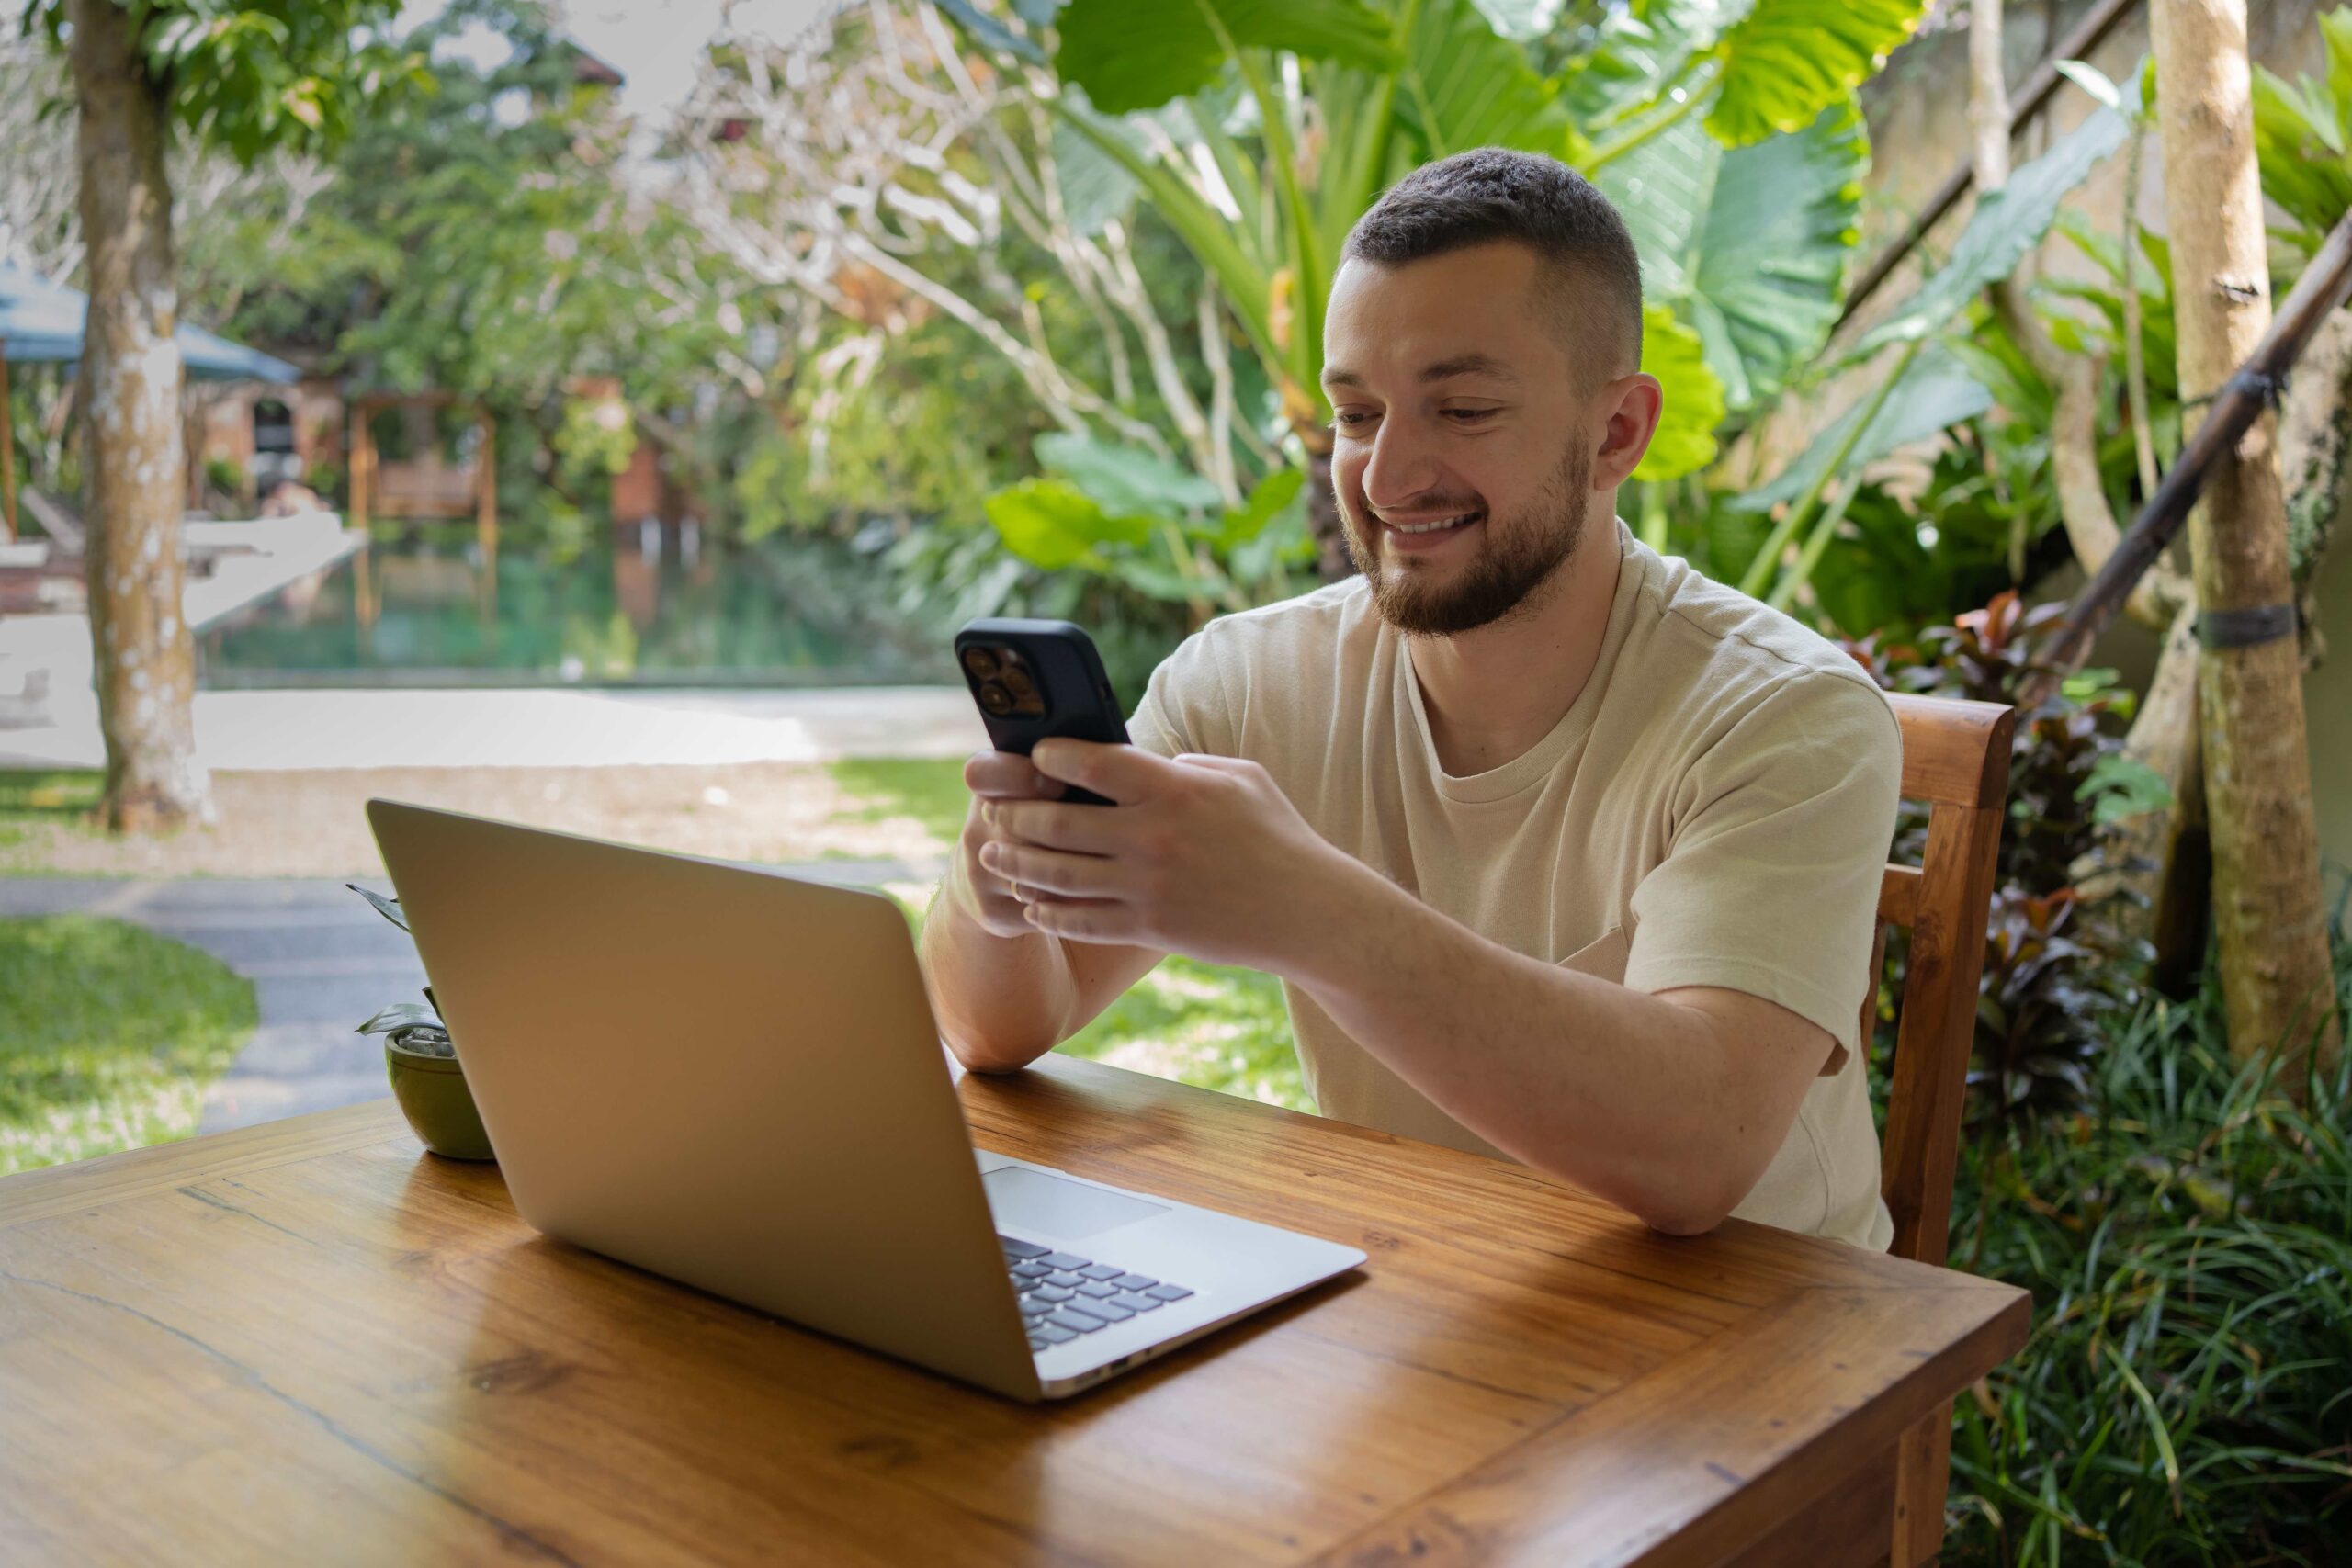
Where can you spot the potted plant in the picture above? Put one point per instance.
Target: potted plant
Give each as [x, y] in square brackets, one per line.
[422, 1062]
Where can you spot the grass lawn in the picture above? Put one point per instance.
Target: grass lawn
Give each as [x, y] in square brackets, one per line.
[108, 1034]
[931, 791]
[29, 801]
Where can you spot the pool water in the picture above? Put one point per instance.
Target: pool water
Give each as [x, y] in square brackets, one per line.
[652, 606]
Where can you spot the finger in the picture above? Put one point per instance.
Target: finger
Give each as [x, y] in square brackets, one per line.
[1050, 824]
[1003, 775]
[1096, 922]
[1121, 774]
[1051, 870]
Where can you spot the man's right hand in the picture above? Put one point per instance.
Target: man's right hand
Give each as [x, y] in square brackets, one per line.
[989, 898]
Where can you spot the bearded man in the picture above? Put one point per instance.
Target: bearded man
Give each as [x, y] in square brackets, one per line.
[1563, 852]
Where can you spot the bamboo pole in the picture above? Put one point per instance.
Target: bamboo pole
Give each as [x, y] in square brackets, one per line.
[2276, 976]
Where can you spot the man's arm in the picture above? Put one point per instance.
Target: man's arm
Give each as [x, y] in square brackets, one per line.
[1004, 992]
[1669, 1104]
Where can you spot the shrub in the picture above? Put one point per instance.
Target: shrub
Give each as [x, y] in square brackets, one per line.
[2186, 1395]
[2055, 962]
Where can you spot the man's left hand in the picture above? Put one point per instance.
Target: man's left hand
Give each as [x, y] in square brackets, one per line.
[1198, 855]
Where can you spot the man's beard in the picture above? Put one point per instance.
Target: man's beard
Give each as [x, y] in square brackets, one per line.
[1515, 557]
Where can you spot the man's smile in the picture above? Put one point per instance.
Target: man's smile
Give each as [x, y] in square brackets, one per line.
[1411, 533]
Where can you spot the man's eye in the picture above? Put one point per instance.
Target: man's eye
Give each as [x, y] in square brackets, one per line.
[1467, 416]
[1349, 419]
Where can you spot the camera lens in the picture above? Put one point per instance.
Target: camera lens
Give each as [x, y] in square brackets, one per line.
[980, 661]
[1017, 681]
[996, 699]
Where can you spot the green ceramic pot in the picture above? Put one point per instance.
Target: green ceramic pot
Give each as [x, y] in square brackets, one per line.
[433, 1095]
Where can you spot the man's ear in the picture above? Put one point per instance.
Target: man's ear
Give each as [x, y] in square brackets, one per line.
[1630, 406]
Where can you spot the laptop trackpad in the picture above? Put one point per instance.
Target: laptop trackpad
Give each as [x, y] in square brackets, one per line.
[1031, 1200]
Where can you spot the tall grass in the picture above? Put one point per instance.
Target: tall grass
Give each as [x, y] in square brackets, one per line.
[2187, 1394]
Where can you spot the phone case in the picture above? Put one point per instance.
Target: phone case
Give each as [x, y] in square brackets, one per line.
[1067, 694]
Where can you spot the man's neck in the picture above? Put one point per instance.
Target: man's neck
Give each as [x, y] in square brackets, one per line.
[1492, 694]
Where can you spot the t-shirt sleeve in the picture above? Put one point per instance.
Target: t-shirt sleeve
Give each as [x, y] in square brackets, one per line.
[1772, 887]
[1184, 707]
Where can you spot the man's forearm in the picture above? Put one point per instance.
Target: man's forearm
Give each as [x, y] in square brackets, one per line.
[1632, 1097]
[1001, 1002]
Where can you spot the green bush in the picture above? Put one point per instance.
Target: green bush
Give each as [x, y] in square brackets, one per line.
[2186, 1395]
[2057, 960]
[108, 1034]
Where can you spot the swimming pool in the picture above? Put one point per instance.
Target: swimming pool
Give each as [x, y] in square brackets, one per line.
[647, 607]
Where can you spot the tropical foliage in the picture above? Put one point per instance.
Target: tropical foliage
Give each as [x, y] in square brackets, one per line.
[2187, 1235]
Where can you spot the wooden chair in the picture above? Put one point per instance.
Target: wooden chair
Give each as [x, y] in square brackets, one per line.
[1956, 758]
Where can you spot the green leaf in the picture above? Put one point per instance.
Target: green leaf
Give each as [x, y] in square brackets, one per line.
[1685, 440]
[1130, 56]
[1876, 573]
[1784, 218]
[399, 1015]
[1936, 391]
[1244, 280]
[1123, 480]
[2004, 226]
[989, 32]
[2094, 81]
[2302, 132]
[388, 907]
[1155, 580]
[2120, 787]
[1464, 86]
[1788, 60]
[1275, 492]
[1095, 186]
[1055, 526]
[1750, 244]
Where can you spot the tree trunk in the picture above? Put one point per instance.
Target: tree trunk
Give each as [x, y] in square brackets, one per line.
[143, 655]
[2276, 974]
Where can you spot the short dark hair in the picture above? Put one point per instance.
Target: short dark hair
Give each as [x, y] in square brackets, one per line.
[1490, 194]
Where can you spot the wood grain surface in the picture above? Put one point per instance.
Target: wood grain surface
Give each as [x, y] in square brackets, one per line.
[311, 1341]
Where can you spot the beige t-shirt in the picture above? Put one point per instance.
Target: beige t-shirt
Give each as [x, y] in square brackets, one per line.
[1715, 809]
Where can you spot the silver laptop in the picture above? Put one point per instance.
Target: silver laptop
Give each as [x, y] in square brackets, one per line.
[732, 1077]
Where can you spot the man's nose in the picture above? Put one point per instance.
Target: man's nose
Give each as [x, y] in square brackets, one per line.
[1401, 465]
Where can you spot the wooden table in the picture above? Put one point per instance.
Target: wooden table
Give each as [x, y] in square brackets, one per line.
[313, 1342]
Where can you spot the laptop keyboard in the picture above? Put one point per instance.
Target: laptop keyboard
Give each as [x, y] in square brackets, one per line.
[1064, 1295]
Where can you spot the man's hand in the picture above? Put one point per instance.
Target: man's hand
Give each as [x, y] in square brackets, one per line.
[995, 776]
[1198, 855]
[1004, 990]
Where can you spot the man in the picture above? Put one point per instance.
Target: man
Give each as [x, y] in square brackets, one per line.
[1563, 852]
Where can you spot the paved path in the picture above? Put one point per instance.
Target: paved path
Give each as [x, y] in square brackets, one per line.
[258, 730]
[320, 960]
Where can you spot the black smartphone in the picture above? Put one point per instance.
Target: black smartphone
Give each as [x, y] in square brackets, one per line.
[1034, 679]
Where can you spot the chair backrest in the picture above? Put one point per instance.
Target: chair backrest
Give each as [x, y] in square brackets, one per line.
[1956, 758]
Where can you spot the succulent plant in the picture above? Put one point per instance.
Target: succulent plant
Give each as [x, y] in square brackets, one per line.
[411, 1027]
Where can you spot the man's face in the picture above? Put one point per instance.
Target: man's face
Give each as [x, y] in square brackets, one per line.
[1463, 432]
